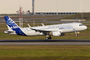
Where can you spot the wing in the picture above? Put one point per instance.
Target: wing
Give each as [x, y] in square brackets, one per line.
[44, 31]
[41, 30]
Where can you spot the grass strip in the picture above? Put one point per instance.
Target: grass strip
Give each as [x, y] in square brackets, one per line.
[49, 52]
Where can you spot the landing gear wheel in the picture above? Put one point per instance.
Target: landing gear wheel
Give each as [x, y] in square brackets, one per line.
[48, 37]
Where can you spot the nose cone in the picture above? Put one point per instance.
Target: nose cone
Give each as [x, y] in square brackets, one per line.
[85, 27]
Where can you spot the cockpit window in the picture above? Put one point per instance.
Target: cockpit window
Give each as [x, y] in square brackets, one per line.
[81, 25]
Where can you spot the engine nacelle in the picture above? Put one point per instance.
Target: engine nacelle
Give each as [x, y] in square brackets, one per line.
[57, 33]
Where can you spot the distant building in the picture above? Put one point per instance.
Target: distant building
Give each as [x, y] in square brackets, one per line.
[49, 13]
[46, 6]
[61, 6]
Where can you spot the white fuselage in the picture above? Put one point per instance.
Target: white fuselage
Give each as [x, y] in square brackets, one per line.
[62, 28]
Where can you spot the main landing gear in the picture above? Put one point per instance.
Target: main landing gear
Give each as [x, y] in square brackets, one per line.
[48, 37]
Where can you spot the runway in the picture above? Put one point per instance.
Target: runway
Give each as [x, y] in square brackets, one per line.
[44, 42]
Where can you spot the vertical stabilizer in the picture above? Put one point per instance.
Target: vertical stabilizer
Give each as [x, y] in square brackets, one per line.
[12, 25]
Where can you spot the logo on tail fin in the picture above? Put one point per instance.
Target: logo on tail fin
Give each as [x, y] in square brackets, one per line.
[14, 26]
[11, 23]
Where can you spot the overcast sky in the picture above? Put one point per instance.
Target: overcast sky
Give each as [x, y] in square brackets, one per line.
[11, 6]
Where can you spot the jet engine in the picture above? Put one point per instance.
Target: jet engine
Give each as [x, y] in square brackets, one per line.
[57, 33]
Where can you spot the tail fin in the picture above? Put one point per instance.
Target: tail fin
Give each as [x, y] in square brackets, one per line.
[11, 24]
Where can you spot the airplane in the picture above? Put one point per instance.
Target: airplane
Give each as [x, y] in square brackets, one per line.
[48, 30]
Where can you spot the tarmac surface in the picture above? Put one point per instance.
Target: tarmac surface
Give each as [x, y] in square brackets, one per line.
[45, 42]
